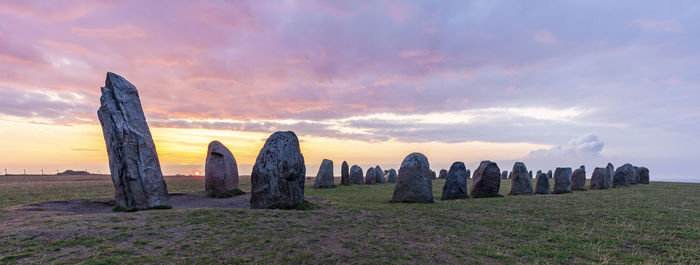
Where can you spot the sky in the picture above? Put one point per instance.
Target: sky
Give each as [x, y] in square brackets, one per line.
[556, 84]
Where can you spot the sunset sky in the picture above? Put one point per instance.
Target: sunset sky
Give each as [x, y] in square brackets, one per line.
[556, 83]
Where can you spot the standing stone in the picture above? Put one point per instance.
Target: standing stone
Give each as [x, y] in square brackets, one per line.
[391, 176]
[456, 183]
[549, 174]
[542, 186]
[469, 173]
[598, 179]
[133, 161]
[345, 174]
[624, 175]
[643, 173]
[279, 173]
[609, 173]
[486, 181]
[324, 177]
[578, 179]
[220, 171]
[432, 174]
[504, 174]
[562, 180]
[530, 174]
[413, 183]
[370, 177]
[379, 174]
[356, 175]
[443, 174]
[521, 180]
[538, 173]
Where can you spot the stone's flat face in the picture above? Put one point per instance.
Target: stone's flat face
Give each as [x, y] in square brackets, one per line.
[643, 173]
[542, 186]
[469, 173]
[504, 174]
[456, 183]
[220, 170]
[549, 174]
[442, 174]
[356, 176]
[487, 180]
[609, 173]
[133, 161]
[598, 179]
[413, 183]
[578, 179]
[370, 178]
[624, 175]
[324, 177]
[521, 180]
[391, 176]
[345, 174]
[279, 173]
[562, 180]
[379, 174]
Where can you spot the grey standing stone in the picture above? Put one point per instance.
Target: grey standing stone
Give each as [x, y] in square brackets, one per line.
[549, 174]
[487, 180]
[324, 177]
[598, 179]
[356, 175]
[643, 173]
[443, 174]
[133, 161]
[456, 183]
[370, 177]
[562, 180]
[345, 174]
[624, 175]
[521, 180]
[542, 186]
[578, 179]
[609, 173]
[391, 176]
[432, 174]
[504, 174]
[469, 173]
[530, 174]
[379, 174]
[538, 173]
[413, 183]
[279, 173]
[220, 171]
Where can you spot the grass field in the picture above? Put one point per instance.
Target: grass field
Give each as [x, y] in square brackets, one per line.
[644, 224]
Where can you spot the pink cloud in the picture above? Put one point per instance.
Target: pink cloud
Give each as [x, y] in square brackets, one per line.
[545, 36]
[659, 25]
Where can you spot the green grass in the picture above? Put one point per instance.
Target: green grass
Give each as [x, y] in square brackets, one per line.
[643, 224]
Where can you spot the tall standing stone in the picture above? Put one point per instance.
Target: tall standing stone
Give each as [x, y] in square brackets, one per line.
[279, 173]
[413, 183]
[344, 174]
[530, 174]
[549, 174]
[578, 179]
[609, 173]
[456, 183]
[324, 177]
[133, 161]
[442, 174]
[220, 171]
[379, 174]
[643, 175]
[598, 180]
[469, 173]
[538, 173]
[356, 175]
[542, 186]
[504, 174]
[562, 180]
[370, 177]
[487, 180]
[432, 174]
[624, 175]
[391, 176]
[521, 180]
